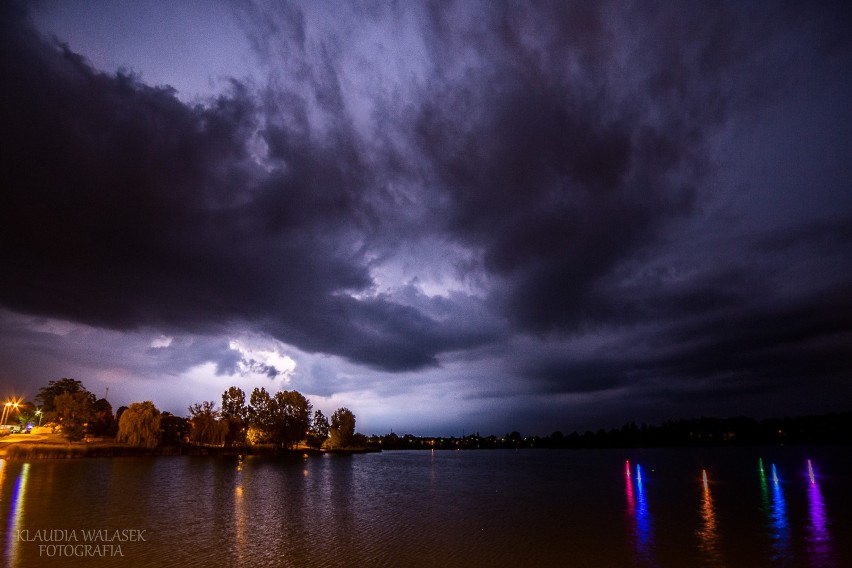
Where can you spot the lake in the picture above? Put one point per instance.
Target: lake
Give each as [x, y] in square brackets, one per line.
[490, 508]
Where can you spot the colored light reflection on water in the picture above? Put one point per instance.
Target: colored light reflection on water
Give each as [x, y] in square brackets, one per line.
[240, 515]
[631, 500]
[637, 508]
[16, 515]
[708, 531]
[764, 488]
[779, 527]
[818, 537]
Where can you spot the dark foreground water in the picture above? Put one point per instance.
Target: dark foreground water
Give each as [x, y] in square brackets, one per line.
[410, 509]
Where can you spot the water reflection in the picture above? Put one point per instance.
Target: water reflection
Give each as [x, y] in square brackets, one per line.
[16, 515]
[240, 517]
[764, 489]
[631, 500]
[637, 510]
[778, 524]
[708, 532]
[818, 537]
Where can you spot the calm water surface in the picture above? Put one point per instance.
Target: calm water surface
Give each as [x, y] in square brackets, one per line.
[409, 509]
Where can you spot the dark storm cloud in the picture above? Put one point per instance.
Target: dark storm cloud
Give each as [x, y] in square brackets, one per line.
[124, 207]
[773, 317]
[553, 172]
[567, 152]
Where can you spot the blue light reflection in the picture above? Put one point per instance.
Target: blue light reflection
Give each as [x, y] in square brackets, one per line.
[637, 510]
[779, 527]
[16, 515]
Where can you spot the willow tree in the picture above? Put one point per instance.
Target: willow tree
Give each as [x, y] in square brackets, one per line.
[140, 425]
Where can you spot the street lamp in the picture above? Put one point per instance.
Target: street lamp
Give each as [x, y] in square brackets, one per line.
[6, 408]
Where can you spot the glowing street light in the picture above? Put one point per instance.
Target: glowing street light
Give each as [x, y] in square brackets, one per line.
[7, 410]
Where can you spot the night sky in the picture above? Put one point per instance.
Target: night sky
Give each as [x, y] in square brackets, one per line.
[448, 217]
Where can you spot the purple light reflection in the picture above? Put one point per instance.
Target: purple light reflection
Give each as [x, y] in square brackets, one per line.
[818, 537]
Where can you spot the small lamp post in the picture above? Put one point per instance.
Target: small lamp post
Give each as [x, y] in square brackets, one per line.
[6, 408]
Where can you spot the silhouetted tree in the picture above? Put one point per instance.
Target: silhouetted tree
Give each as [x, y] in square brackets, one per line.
[292, 418]
[234, 404]
[342, 428]
[140, 425]
[47, 395]
[74, 411]
[174, 430]
[104, 423]
[235, 414]
[318, 432]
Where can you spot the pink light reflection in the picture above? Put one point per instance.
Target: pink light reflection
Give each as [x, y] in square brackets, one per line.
[818, 537]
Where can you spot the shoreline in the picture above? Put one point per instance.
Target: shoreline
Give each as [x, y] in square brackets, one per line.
[16, 450]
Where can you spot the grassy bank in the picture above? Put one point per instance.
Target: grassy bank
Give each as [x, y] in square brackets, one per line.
[26, 451]
[41, 451]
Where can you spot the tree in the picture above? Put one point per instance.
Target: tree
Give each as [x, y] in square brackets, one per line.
[119, 412]
[342, 428]
[47, 396]
[140, 425]
[174, 430]
[206, 427]
[74, 411]
[318, 432]
[25, 418]
[282, 419]
[261, 416]
[103, 423]
[292, 418]
[235, 415]
[234, 404]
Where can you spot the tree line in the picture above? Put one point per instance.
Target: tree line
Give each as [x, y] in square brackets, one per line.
[285, 420]
[834, 428]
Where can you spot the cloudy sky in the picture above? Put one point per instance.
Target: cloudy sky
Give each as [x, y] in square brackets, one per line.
[446, 216]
